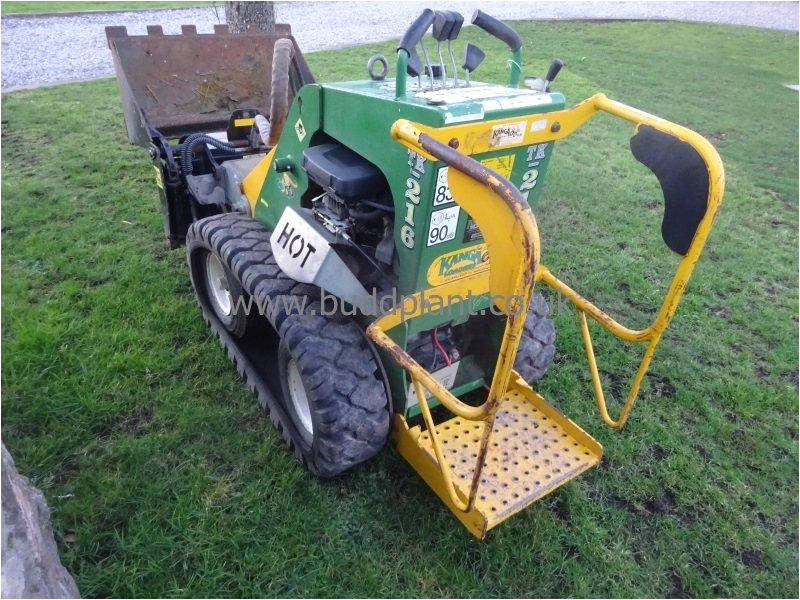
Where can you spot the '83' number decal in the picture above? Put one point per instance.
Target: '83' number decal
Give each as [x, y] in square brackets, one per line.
[441, 194]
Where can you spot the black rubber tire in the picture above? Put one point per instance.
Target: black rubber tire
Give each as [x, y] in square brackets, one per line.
[537, 346]
[243, 243]
[348, 400]
[238, 320]
[349, 395]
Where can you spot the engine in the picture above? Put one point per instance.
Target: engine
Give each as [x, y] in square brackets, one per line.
[356, 206]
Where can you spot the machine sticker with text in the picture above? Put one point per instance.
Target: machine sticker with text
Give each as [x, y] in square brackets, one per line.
[471, 231]
[299, 250]
[445, 376]
[507, 134]
[502, 164]
[416, 162]
[459, 263]
[441, 195]
[535, 154]
[443, 227]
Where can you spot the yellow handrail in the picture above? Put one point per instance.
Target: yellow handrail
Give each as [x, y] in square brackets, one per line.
[509, 229]
[570, 120]
[512, 239]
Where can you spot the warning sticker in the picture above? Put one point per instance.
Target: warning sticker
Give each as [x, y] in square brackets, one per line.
[300, 129]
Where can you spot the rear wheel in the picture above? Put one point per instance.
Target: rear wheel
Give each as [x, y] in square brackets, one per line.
[220, 290]
[333, 391]
[217, 287]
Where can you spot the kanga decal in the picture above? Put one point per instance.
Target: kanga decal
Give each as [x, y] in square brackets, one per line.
[460, 263]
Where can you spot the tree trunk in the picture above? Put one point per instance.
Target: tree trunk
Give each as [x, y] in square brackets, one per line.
[244, 16]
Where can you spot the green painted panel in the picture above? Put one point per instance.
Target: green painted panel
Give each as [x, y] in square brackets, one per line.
[436, 240]
[303, 124]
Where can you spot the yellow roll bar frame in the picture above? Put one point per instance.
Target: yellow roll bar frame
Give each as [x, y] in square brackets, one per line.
[512, 238]
[510, 232]
[572, 119]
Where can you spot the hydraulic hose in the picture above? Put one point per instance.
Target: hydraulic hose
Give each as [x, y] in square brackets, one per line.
[366, 215]
[199, 138]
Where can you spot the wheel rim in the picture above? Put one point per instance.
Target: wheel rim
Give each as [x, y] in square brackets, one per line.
[298, 396]
[218, 287]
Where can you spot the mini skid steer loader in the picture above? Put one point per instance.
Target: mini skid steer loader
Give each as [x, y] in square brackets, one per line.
[366, 253]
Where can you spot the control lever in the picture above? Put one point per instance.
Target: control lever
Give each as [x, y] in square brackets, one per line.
[416, 31]
[543, 85]
[414, 67]
[505, 34]
[443, 24]
[458, 21]
[427, 60]
[552, 73]
[498, 29]
[408, 44]
[473, 56]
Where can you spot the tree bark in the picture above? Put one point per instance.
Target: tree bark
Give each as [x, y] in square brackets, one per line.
[244, 16]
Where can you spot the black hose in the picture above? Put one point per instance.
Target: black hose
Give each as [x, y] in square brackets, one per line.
[367, 257]
[378, 205]
[199, 138]
[365, 215]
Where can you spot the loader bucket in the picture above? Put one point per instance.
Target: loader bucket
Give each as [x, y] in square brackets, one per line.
[180, 84]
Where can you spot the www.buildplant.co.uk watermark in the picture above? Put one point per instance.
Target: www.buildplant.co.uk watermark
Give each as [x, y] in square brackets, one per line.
[379, 303]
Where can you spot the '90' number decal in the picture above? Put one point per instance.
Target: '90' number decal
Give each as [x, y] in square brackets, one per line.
[443, 225]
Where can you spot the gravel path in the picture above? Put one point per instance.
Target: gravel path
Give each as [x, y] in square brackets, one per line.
[46, 50]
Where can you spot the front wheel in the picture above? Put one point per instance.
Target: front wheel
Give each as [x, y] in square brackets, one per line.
[333, 392]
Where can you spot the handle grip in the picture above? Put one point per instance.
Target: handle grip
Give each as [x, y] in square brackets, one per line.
[414, 64]
[498, 29]
[555, 68]
[442, 25]
[418, 28]
[458, 21]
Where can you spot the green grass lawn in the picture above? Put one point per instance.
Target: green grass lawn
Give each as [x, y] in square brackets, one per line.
[165, 479]
[46, 6]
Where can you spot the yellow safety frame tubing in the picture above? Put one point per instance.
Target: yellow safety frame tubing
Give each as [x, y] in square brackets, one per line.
[512, 239]
[498, 208]
[475, 139]
[447, 477]
[407, 445]
[651, 334]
